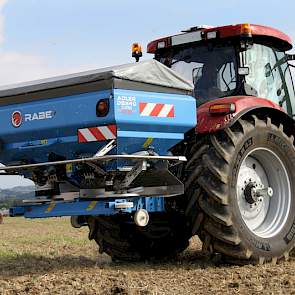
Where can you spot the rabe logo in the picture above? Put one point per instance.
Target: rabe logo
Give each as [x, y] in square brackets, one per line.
[16, 119]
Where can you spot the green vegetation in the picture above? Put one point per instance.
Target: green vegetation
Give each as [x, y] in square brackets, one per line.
[6, 203]
[14, 196]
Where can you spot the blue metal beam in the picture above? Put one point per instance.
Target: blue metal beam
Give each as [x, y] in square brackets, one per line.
[95, 207]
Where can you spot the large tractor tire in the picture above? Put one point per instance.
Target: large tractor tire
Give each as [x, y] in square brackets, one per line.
[165, 236]
[240, 189]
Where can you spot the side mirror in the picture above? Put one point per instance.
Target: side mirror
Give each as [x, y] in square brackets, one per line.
[136, 51]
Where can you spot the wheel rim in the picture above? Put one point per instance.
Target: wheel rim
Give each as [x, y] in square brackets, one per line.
[263, 192]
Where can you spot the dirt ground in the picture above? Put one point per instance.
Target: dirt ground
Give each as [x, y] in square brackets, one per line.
[50, 257]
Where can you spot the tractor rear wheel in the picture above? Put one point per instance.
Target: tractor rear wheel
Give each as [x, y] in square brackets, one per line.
[118, 236]
[240, 189]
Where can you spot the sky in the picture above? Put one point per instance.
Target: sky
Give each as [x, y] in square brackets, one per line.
[43, 38]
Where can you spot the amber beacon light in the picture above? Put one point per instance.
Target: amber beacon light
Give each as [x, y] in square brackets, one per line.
[246, 30]
[136, 51]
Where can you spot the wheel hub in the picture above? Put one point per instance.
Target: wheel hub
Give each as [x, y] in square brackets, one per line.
[250, 194]
[253, 194]
[263, 192]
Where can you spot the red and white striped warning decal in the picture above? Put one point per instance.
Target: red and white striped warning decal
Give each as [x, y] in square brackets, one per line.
[100, 133]
[149, 109]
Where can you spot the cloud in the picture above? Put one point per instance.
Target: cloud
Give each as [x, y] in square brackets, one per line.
[19, 67]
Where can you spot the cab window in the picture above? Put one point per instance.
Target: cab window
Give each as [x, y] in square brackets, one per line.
[269, 75]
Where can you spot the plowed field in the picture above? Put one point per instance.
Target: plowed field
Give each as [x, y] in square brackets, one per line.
[50, 257]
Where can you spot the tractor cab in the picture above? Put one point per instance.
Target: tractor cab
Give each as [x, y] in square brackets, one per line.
[238, 60]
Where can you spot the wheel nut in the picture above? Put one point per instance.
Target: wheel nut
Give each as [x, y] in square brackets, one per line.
[270, 192]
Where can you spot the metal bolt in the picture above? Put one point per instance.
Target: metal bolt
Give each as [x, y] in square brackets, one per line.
[264, 192]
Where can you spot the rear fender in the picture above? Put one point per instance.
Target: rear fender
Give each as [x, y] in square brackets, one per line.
[209, 123]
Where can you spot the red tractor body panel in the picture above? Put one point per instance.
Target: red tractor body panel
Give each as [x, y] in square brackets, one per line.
[208, 123]
[282, 40]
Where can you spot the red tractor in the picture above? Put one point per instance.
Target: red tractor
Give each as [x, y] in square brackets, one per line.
[240, 173]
